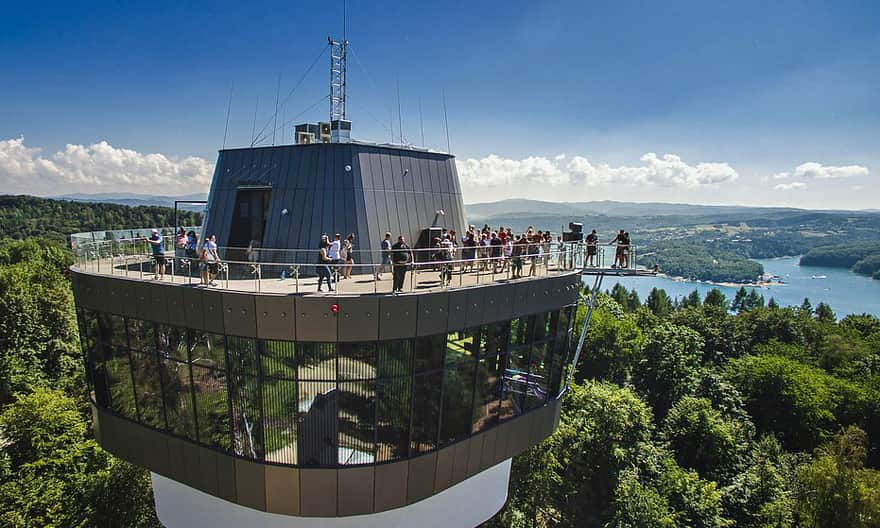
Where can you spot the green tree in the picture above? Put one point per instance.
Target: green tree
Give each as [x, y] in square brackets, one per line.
[612, 347]
[738, 304]
[58, 477]
[697, 502]
[603, 431]
[659, 302]
[772, 304]
[839, 490]
[637, 505]
[38, 334]
[703, 440]
[671, 366]
[794, 401]
[714, 297]
[825, 314]
[692, 300]
[759, 496]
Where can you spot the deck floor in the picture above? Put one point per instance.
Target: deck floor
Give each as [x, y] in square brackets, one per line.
[424, 279]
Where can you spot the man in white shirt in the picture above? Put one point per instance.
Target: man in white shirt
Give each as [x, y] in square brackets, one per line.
[333, 253]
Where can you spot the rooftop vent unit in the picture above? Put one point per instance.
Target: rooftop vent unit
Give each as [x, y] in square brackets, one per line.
[306, 133]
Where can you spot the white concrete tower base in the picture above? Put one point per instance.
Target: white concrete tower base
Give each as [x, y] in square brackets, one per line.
[465, 505]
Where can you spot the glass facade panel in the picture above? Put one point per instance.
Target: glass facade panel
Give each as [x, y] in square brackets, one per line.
[212, 407]
[145, 370]
[317, 429]
[324, 404]
[393, 390]
[487, 393]
[425, 411]
[316, 361]
[280, 403]
[243, 374]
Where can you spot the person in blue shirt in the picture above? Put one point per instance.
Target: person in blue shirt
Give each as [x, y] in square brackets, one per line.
[158, 248]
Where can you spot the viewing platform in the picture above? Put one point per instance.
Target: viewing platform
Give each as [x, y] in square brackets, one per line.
[267, 271]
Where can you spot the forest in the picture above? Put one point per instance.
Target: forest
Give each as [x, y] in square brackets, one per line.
[861, 257]
[29, 216]
[709, 412]
[712, 412]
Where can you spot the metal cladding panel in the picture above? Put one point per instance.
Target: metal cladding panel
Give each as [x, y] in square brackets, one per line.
[398, 317]
[193, 309]
[490, 437]
[151, 446]
[85, 294]
[542, 421]
[520, 434]
[159, 304]
[521, 297]
[176, 468]
[420, 484]
[238, 314]
[96, 424]
[191, 467]
[318, 492]
[356, 491]
[358, 319]
[112, 296]
[250, 484]
[460, 464]
[390, 486]
[445, 465]
[212, 308]
[433, 313]
[207, 480]
[506, 295]
[475, 452]
[174, 303]
[143, 302]
[501, 441]
[557, 413]
[458, 305]
[276, 317]
[476, 304]
[282, 490]
[314, 319]
[226, 477]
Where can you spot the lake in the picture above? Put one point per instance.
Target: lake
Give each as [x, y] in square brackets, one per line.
[846, 292]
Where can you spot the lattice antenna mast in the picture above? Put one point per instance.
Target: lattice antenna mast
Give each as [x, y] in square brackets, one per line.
[338, 52]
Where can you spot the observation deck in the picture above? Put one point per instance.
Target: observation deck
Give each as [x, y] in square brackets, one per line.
[263, 392]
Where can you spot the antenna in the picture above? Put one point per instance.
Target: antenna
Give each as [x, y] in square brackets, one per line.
[446, 120]
[399, 119]
[228, 109]
[275, 124]
[421, 122]
[338, 52]
[254, 127]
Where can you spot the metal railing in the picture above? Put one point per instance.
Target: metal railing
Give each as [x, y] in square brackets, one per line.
[274, 271]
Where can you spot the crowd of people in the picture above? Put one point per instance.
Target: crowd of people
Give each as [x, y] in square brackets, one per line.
[481, 250]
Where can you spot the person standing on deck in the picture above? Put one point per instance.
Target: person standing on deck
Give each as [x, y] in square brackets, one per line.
[620, 240]
[401, 256]
[386, 255]
[592, 249]
[157, 247]
[211, 260]
[333, 253]
[323, 267]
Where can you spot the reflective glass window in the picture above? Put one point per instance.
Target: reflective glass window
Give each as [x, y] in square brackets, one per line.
[280, 403]
[429, 352]
[458, 396]
[317, 430]
[114, 350]
[487, 394]
[243, 374]
[145, 369]
[393, 391]
[316, 361]
[208, 353]
[494, 339]
[357, 402]
[425, 411]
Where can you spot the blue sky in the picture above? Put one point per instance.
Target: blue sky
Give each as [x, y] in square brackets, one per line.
[558, 101]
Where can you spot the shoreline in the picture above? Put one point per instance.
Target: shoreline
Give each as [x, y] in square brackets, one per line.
[756, 284]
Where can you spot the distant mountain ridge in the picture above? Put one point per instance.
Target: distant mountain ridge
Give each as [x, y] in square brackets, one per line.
[130, 199]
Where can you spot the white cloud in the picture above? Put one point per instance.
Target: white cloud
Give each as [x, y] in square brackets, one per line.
[98, 167]
[667, 171]
[816, 171]
[793, 186]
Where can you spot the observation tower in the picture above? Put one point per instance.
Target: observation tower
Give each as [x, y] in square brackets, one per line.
[260, 401]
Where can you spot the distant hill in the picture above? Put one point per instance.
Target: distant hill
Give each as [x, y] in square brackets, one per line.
[133, 199]
[24, 217]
